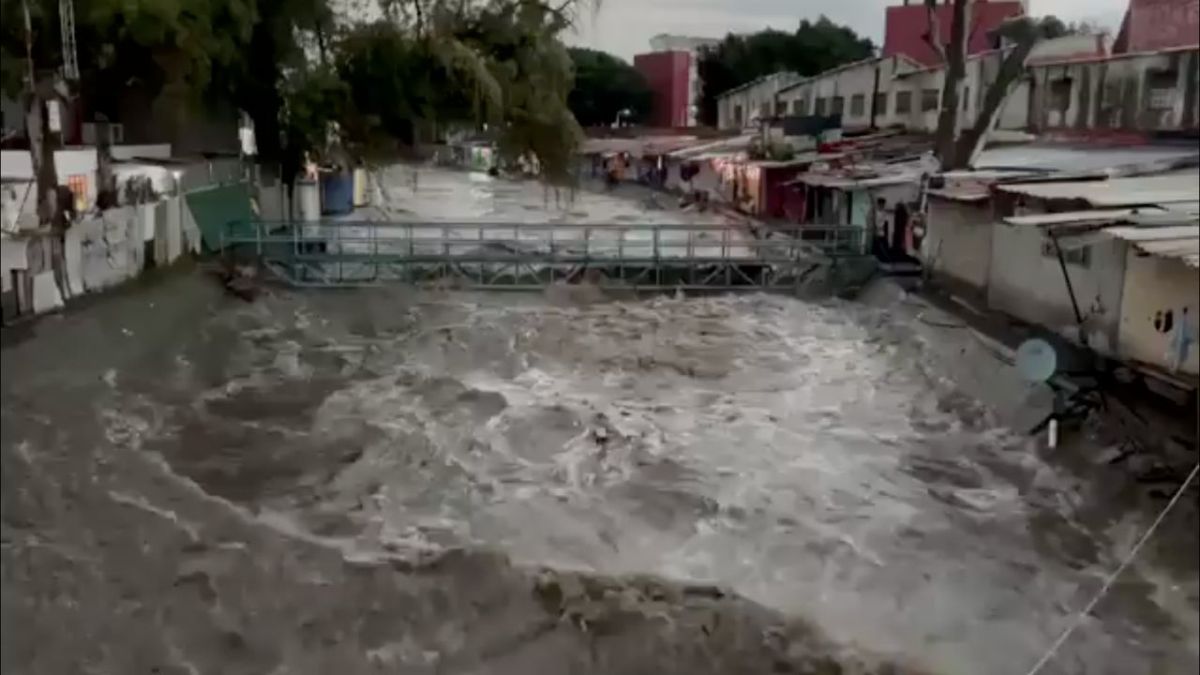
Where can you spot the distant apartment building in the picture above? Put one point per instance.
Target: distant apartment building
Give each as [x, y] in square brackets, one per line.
[667, 75]
[670, 68]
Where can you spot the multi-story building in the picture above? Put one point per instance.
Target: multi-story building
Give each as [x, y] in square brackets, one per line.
[744, 106]
[670, 68]
[1149, 81]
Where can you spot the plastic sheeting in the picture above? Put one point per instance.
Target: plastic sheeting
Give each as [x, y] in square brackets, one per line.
[46, 296]
[212, 212]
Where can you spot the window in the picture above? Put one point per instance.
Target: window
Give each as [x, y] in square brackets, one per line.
[881, 102]
[764, 111]
[1060, 94]
[821, 103]
[737, 115]
[966, 97]
[929, 100]
[839, 105]
[800, 106]
[1160, 90]
[1081, 256]
[780, 108]
[1162, 99]
[903, 102]
[858, 104]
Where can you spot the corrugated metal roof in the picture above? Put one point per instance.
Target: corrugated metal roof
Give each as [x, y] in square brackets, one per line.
[1173, 241]
[783, 75]
[1164, 189]
[849, 182]
[1082, 158]
[1079, 217]
[714, 148]
[638, 146]
[1138, 234]
[959, 195]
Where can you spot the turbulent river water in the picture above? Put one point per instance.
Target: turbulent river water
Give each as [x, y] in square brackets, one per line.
[398, 481]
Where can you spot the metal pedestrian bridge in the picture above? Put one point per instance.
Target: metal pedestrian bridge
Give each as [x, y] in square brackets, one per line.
[527, 256]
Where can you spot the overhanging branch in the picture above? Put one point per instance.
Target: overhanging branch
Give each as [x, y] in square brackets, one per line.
[933, 36]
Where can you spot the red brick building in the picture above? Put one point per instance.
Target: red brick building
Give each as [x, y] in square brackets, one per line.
[669, 75]
[908, 24]
[1153, 25]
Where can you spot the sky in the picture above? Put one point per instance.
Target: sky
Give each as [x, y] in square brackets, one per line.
[624, 27]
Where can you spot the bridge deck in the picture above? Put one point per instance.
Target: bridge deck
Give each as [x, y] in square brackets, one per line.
[522, 256]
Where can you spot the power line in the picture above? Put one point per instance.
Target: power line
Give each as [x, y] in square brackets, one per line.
[66, 17]
[1082, 614]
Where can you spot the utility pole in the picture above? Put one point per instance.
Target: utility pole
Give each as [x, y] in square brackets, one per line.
[39, 120]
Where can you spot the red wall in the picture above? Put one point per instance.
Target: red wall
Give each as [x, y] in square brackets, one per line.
[1151, 25]
[667, 75]
[779, 200]
[904, 34]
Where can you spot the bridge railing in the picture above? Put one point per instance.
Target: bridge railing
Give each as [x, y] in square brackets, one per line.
[551, 242]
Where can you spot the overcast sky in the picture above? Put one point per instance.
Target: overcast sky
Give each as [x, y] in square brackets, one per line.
[624, 27]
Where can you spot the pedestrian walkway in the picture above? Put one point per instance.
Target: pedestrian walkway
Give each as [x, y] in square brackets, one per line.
[525, 256]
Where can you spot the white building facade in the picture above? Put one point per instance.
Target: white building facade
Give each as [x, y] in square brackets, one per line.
[742, 107]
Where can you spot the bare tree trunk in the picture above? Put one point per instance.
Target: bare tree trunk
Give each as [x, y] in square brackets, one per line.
[955, 59]
[106, 185]
[41, 141]
[970, 144]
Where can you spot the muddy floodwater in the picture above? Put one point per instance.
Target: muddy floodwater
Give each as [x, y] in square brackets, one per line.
[400, 481]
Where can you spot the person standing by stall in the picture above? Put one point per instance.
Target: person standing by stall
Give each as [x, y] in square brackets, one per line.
[899, 236]
[878, 230]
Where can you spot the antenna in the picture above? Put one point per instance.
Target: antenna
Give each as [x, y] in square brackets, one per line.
[66, 16]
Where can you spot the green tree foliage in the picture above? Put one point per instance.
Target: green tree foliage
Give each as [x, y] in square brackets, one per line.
[814, 47]
[1050, 27]
[496, 65]
[123, 42]
[297, 67]
[604, 86]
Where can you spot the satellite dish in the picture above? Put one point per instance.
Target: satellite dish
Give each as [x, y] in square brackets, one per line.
[1036, 360]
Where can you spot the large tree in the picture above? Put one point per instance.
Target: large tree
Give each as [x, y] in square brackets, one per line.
[955, 149]
[604, 87]
[813, 47]
[297, 67]
[494, 65]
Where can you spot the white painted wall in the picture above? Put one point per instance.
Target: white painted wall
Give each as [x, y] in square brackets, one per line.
[1029, 286]
[111, 247]
[958, 241]
[1014, 113]
[68, 163]
[752, 98]
[1152, 285]
[1115, 93]
[18, 205]
[895, 76]
[147, 150]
